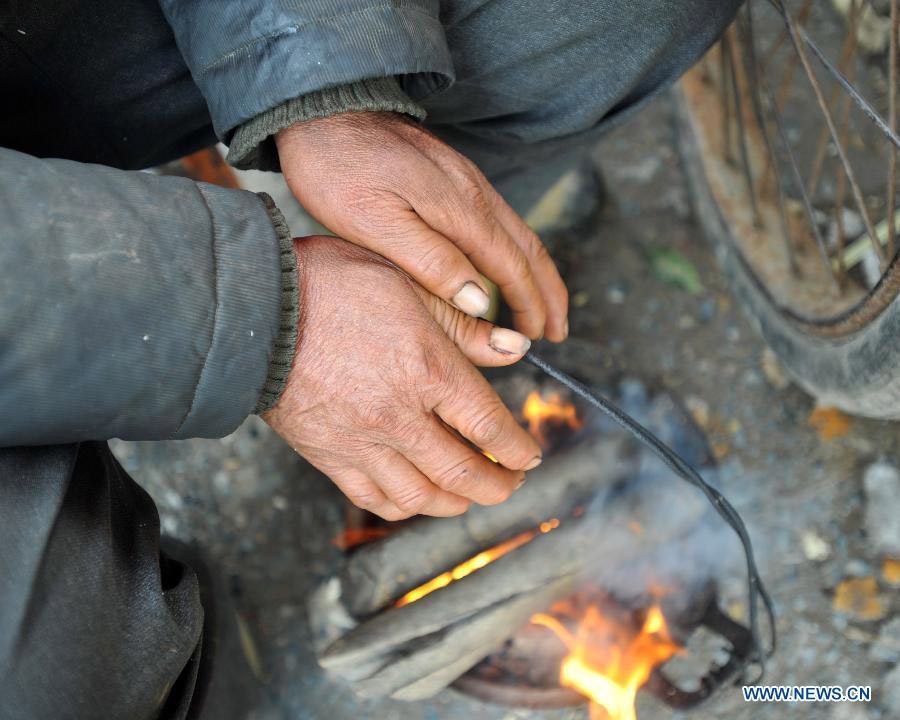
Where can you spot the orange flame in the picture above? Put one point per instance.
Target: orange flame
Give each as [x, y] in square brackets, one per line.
[541, 413]
[608, 662]
[475, 563]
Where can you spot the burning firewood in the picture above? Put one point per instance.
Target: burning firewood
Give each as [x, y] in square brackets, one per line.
[414, 650]
[379, 573]
[411, 613]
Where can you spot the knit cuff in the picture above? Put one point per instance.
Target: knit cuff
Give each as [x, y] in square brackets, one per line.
[286, 342]
[253, 145]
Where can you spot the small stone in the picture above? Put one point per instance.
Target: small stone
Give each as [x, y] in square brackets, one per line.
[890, 692]
[882, 485]
[815, 547]
[221, 481]
[752, 379]
[580, 299]
[173, 500]
[168, 525]
[698, 409]
[615, 295]
[886, 647]
[858, 598]
[890, 571]
[279, 502]
[231, 464]
[686, 322]
[771, 368]
[721, 450]
[829, 422]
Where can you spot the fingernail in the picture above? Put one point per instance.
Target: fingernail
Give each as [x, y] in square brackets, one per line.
[472, 300]
[534, 463]
[509, 342]
[519, 484]
[566, 329]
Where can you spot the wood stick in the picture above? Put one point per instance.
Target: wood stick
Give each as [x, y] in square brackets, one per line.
[380, 572]
[413, 651]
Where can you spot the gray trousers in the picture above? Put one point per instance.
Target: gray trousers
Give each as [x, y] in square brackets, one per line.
[95, 622]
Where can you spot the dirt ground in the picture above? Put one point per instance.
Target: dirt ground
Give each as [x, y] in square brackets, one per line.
[266, 518]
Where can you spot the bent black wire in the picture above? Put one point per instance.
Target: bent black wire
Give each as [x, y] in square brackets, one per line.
[672, 460]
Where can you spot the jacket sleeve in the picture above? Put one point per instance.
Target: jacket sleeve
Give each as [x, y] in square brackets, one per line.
[249, 57]
[135, 305]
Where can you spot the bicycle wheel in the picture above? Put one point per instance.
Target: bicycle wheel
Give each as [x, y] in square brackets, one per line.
[788, 136]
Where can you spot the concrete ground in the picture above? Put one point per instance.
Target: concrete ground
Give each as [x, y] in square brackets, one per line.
[267, 518]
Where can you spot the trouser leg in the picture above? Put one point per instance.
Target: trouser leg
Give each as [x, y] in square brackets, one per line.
[94, 623]
[537, 81]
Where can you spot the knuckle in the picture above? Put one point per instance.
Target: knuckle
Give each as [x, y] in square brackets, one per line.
[458, 478]
[413, 499]
[466, 330]
[537, 249]
[366, 499]
[438, 265]
[470, 184]
[489, 428]
[519, 267]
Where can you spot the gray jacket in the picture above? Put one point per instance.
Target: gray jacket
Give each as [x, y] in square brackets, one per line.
[147, 307]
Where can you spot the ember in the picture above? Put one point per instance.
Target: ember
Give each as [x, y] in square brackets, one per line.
[351, 537]
[608, 661]
[475, 563]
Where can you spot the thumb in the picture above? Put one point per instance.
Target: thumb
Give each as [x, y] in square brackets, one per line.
[484, 344]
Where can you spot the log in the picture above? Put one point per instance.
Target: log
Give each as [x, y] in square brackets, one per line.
[413, 651]
[380, 572]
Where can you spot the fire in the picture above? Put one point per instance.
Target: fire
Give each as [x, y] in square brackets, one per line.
[475, 563]
[541, 413]
[608, 661]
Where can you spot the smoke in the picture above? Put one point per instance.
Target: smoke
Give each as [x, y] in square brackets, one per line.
[660, 537]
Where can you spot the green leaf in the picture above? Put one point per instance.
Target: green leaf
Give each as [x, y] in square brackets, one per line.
[674, 269]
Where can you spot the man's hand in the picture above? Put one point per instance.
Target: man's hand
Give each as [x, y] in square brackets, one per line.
[381, 394]
[385, 183]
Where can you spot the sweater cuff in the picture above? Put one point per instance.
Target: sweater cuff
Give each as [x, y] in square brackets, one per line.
[253, 145]
[286, 341]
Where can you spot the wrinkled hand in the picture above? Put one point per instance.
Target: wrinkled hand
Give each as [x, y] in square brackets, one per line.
[385, 183]
[381, 392]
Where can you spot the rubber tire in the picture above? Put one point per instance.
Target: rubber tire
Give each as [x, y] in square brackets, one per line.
[859, 372]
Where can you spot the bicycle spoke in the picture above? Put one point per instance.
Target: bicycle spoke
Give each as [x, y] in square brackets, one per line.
[802, 14]
[846, 56]
[841, 181]
[798, 34]
[820, 99]
[753, 79]
[724, 60]
[742, 135]
[892, 119]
